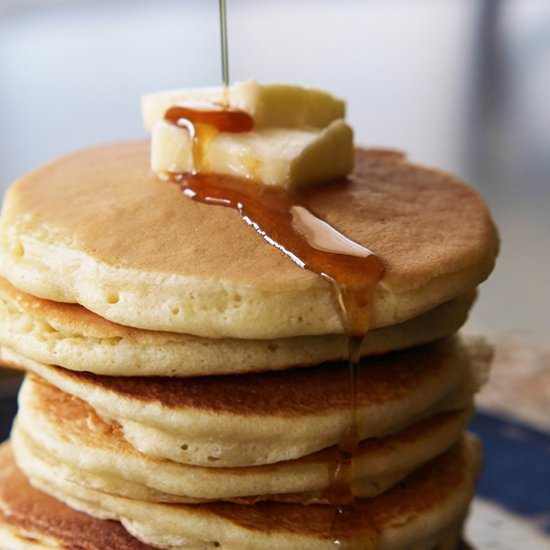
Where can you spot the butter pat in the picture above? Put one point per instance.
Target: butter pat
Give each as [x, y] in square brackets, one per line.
[270, 105]
[288, 158]
[171, 149]
[299, 139]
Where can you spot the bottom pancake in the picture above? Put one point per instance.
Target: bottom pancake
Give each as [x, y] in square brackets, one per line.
[423, 512]
[32, 520]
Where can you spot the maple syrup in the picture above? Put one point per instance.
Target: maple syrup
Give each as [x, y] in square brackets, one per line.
[222, 118]
[278, 217]
[204, 124]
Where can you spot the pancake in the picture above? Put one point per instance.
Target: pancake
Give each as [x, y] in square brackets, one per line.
[98, 229]
[31, 519]
[72, 337]
[79, 446]
[420, 513]
[263, 418]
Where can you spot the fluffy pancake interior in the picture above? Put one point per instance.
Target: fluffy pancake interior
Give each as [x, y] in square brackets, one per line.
[72, 337]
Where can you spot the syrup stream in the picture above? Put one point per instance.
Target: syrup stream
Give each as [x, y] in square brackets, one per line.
[222, 119]
[224, 52]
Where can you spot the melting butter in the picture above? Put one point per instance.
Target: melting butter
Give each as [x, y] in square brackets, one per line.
[299, 137]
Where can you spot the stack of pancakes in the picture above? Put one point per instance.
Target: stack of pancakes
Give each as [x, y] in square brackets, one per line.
[189, 382]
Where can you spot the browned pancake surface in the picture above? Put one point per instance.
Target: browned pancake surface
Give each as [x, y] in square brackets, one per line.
[24, 507]
[407, 214]
[80, 424]
[294, 391]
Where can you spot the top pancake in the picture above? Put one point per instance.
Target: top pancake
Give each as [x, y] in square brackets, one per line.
[97, 228]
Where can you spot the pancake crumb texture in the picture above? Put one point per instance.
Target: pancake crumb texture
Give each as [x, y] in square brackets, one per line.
[181, 266]
[72, 337]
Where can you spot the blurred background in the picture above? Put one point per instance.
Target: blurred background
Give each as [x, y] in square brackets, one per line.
[459, 84]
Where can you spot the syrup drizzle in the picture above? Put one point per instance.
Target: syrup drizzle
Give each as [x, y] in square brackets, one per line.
[223, 119]
[204, 125]
[286, 222]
